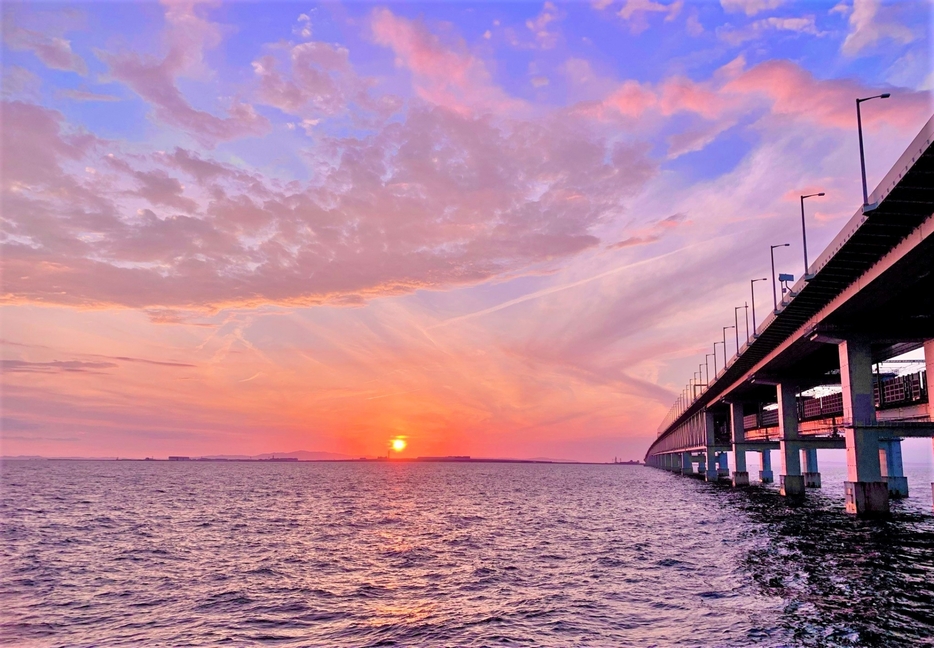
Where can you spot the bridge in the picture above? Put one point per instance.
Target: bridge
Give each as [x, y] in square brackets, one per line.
[805, 379]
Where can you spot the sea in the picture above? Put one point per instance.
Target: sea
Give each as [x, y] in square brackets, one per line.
[131, 553]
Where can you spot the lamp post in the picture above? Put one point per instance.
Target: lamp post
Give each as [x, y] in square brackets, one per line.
[772, 255]
[700, 372]
[752, 290]
[862, 156]
[724, 344]
[715, 358]
[707, 366]
[746, 317]
[804, 234]
[736, 326]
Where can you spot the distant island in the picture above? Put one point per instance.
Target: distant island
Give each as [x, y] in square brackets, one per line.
[304, 456]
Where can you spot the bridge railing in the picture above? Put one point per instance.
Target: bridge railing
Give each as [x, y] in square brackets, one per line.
[889, 392]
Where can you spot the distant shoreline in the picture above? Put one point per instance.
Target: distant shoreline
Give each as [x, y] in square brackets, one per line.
[289, 460]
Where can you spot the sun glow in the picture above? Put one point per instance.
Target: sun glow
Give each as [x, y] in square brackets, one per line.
[398, 444]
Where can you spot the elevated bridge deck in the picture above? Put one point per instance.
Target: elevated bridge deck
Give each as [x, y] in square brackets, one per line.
[867, 298]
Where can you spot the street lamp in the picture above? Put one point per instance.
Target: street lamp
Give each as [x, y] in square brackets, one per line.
[862, 157]
[736, 326]
[772, 255]
[804, 235]
[715, 357]
[752, 289]
[707, 366]
[700, 372]
[724, 344]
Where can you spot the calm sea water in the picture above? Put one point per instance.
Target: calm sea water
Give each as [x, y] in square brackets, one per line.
[144, 554]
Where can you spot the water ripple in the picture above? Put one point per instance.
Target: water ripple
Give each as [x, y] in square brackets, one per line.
[133, 553]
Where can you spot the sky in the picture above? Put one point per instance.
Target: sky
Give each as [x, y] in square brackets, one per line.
[490, 229]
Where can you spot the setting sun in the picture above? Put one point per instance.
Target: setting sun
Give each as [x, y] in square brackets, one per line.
[398, 445]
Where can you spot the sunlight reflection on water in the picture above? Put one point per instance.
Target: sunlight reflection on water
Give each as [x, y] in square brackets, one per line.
[131, 553]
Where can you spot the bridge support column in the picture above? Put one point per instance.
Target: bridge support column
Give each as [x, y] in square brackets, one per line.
[740, 474]
[711, 473]
[928, 377]
[687, 464]
[811, 471]
[792, 481]
[765, 460]
[711, 465]
[867, 494]
[890, 462]
[723, 466]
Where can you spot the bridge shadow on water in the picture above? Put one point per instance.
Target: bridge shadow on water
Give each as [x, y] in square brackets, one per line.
[845, 581]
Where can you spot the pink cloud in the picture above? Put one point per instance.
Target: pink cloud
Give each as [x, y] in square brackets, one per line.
[539, 26]
[441, 199]
[651, 233]
[783, 88]
[635, 12]
[681, 94]
[48, 44]
[794, 92]
[631, 99]
[869, 25]
[445, 76]
[749, 7]
[187, 36]
[322, 82]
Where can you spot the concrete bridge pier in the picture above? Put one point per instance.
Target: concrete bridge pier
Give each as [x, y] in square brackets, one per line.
[738, 428]
[867, 493]
[740, 474]
[687, 464]
[712, 474]
[709, 432]
[811, 471]
[929, 375]
[890, 462]
[765, 474]
[792, 481]
[673, 462]
[723, 466]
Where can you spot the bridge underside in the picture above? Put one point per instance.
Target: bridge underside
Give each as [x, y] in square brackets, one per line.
[868, 299]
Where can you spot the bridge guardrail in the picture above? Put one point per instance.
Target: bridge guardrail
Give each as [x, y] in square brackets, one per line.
[890, 392]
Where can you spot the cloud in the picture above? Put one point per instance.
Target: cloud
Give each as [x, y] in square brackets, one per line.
[539, 26]
[19, 83]
[794, 92]
[85, 95]
[49, 45]
[56, 366]
[448, 76]
[187, 36]
[868, 27]
[651, 233]
[749, 7]
[640, 105]
[159, 363]
[321, 80]
[440, 199]
[784, 88]
[757, 29]
[635, 12]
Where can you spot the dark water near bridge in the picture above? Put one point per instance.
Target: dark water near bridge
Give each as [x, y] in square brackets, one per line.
[132, 553]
